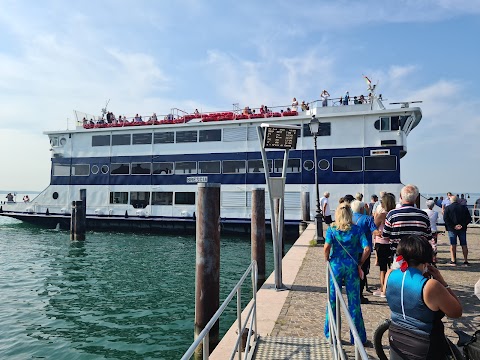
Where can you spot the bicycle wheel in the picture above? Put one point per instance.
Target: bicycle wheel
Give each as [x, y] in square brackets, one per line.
[380, 342]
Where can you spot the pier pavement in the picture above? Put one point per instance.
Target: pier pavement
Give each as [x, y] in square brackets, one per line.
[290, 323]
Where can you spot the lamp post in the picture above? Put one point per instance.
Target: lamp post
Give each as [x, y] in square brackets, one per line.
[314, 126]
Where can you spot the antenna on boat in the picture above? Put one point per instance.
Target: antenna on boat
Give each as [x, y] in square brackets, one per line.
[104, 110]
[405, 104]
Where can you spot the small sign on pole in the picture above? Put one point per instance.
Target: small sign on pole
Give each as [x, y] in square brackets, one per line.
[277, 137]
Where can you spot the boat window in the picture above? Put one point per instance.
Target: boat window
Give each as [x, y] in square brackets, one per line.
[256, 166]
[209, 167]
[353, 163]
[143, 138]
[308, 165]
[54, 141]
[234, 167]
[120, 169]
[293, 165]
[95, 169]
[80, 169]
[164, 137]
[395, 123]
[184, 198]
[118, 197]
[61, 170]
[139, 199]
[122, 139]
[323, 164]
[141, 168]
[186, 167]
[210, 135]
[381, 163]
[385, 124]
[186, 136]
[324, 129]
[101, 140]
[163, 168]
[162, 198]
[105, 169]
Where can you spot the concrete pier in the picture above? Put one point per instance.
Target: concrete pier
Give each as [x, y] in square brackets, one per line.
[290, 323]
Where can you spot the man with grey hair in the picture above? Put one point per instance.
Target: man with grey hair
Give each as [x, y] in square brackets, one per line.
[456, 218]
[407, 219]
[325, 206]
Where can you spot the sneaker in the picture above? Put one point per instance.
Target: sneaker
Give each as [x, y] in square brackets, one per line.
[466, 263]
[452, 263]
[378, 293]
[364, 300]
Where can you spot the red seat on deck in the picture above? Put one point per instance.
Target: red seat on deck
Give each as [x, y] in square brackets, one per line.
[276, 114]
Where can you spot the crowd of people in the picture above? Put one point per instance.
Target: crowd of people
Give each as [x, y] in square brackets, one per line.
[110, 117]
[404, 240]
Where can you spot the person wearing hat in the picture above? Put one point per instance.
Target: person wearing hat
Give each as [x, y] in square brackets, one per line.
[433, 216]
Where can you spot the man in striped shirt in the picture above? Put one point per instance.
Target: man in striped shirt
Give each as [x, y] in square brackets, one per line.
[407, 219]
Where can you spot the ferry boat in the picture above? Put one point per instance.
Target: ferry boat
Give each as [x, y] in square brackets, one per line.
[144, 174]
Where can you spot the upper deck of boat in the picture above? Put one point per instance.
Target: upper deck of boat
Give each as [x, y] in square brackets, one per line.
[280, 114]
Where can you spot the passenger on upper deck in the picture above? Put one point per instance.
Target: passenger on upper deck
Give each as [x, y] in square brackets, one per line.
[262, 109]
[356, 101]
[346, 98]
[324, 95]
[84, 121]
[303, 106]
[138, 118]
[294, 104]
[26, 198]
[9, 197]
[153, 117]
[362, 100]
[196, 112]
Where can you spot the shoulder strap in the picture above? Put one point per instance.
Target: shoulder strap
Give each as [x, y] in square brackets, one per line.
[344, 248]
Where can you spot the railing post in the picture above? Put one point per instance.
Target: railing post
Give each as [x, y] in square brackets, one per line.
[305, 205]
[207, 272]
[258, 233]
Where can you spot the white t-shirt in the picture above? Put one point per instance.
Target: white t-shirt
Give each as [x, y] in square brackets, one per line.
[324, 201]
[433, 216]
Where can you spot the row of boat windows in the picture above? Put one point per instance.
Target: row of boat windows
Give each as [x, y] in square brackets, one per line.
[141, 199]
[339, 164]
[192, 136]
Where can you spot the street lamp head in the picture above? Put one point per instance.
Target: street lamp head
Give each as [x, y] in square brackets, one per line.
[314, 125]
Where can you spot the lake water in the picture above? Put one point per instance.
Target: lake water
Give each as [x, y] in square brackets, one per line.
[114, 296]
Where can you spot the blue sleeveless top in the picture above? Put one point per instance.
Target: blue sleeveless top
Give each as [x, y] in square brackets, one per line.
[415, 315]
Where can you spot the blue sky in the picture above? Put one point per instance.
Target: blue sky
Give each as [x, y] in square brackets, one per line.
[146, 56]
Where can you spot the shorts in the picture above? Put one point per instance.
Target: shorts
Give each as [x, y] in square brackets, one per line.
[328, 219]
[384, 256]
[461, 234]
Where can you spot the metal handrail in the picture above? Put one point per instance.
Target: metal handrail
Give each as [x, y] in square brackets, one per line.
[335, 323]
[252, 316]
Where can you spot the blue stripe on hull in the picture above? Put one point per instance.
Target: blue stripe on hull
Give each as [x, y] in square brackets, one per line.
[304, 177]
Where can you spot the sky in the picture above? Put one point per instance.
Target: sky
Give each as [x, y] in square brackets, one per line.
[150, 56]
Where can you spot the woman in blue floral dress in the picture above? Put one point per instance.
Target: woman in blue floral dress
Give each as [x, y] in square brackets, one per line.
[343, 242]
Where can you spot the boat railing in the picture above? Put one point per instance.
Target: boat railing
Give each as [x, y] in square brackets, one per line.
[334, 322]
[251, 321]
